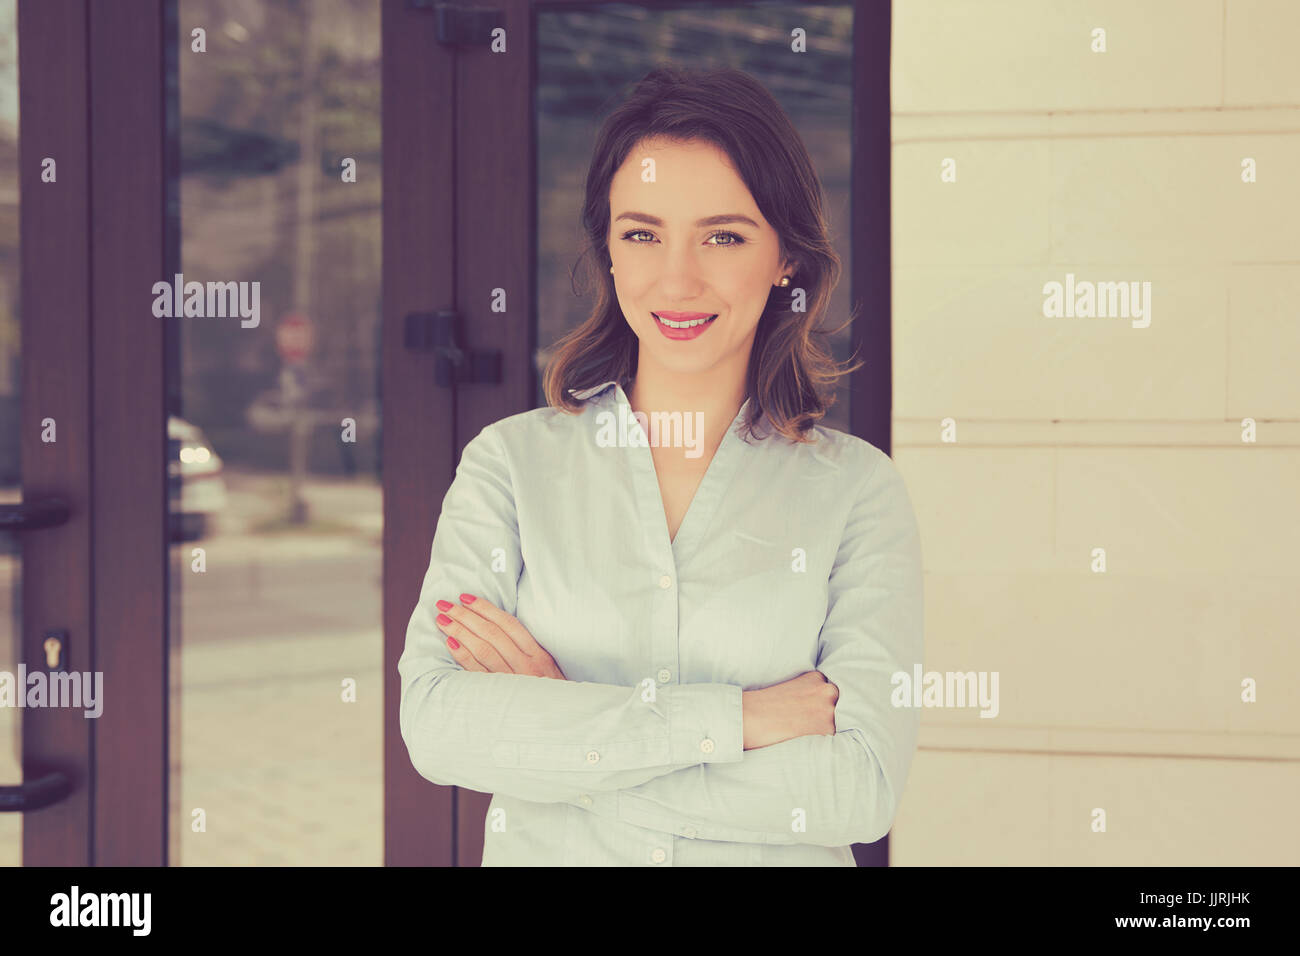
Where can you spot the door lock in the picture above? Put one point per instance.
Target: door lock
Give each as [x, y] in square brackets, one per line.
[55, 646]
[441, 332]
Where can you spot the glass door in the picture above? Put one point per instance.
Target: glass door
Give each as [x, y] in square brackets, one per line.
[275, 488]
[209, 324]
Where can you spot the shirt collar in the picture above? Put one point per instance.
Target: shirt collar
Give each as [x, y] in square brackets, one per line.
[582, 394]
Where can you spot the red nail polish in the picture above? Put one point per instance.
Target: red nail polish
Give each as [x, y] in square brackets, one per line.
[444, 605]
[453, 643]
[467, 599]
[444, 620]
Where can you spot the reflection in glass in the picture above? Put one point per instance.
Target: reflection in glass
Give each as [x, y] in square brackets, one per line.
[588, 59]
[275, 503]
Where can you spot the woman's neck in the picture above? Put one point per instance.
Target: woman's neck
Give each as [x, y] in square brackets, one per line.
[713, 397]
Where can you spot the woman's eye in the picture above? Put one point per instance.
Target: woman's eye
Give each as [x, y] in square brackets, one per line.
[635, 232]
[735, 239]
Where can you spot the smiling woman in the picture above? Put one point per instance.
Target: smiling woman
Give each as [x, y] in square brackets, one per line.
[663, 658]
[687, 154]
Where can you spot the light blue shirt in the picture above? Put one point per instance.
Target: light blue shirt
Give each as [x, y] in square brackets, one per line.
[790, 558]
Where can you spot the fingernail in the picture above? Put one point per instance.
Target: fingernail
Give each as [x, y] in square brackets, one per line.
[467, 599]
[444, 605]
[444, 620]
[453, 643]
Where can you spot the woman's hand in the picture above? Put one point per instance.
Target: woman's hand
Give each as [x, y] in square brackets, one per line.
[485, 638]
[798, 707]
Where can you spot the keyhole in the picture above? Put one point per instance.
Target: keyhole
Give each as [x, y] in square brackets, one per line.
[52, 648]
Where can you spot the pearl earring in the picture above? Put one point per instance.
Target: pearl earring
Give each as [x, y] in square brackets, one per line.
[785, 281]
[611, 269]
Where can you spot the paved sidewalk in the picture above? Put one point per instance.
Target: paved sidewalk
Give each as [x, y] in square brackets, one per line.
[287, 773]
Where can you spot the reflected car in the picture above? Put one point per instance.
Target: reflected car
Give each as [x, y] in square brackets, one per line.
[196, 490]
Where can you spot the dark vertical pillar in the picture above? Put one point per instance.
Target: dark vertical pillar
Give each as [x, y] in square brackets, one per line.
[871, 386]
[54, 243]
[128, 503]
[418, 447]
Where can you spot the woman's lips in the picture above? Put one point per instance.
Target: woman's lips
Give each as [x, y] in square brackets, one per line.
[681, 335]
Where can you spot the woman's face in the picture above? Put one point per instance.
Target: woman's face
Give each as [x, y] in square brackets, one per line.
[668, 257]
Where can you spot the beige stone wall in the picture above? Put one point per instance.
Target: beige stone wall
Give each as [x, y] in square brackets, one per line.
[1119, 690]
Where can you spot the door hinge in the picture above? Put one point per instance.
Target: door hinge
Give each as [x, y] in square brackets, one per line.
[441, 332]
[462, 26]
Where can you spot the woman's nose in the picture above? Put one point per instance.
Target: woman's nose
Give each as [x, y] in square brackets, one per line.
[680, 274]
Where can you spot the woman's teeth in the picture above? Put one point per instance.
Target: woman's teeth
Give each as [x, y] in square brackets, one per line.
[683, 325]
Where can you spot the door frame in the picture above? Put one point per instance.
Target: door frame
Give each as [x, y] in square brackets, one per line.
[419, 451]
[452, 212]
[92, 359]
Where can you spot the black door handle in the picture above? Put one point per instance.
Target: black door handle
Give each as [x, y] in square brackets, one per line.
[53, 786]
[30, 515]
[34, 794]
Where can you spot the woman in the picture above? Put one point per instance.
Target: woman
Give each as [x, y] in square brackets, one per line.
[661, 615]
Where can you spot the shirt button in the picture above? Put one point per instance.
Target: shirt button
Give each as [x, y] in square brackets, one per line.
[665, 582]
[689, 832]
[664, 674]
[707, 745]
[658, 855]
[585, 800]
[592, 756]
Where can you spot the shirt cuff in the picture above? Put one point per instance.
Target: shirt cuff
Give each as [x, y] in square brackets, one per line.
[705, 723]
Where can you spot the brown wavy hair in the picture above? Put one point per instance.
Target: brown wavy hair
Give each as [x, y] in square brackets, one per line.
[791, 374]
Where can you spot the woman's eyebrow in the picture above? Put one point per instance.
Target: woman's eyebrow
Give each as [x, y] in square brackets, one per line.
[721, 220]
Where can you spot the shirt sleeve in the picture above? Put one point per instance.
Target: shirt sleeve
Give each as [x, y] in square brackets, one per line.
[534, 738]
[828, 790]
